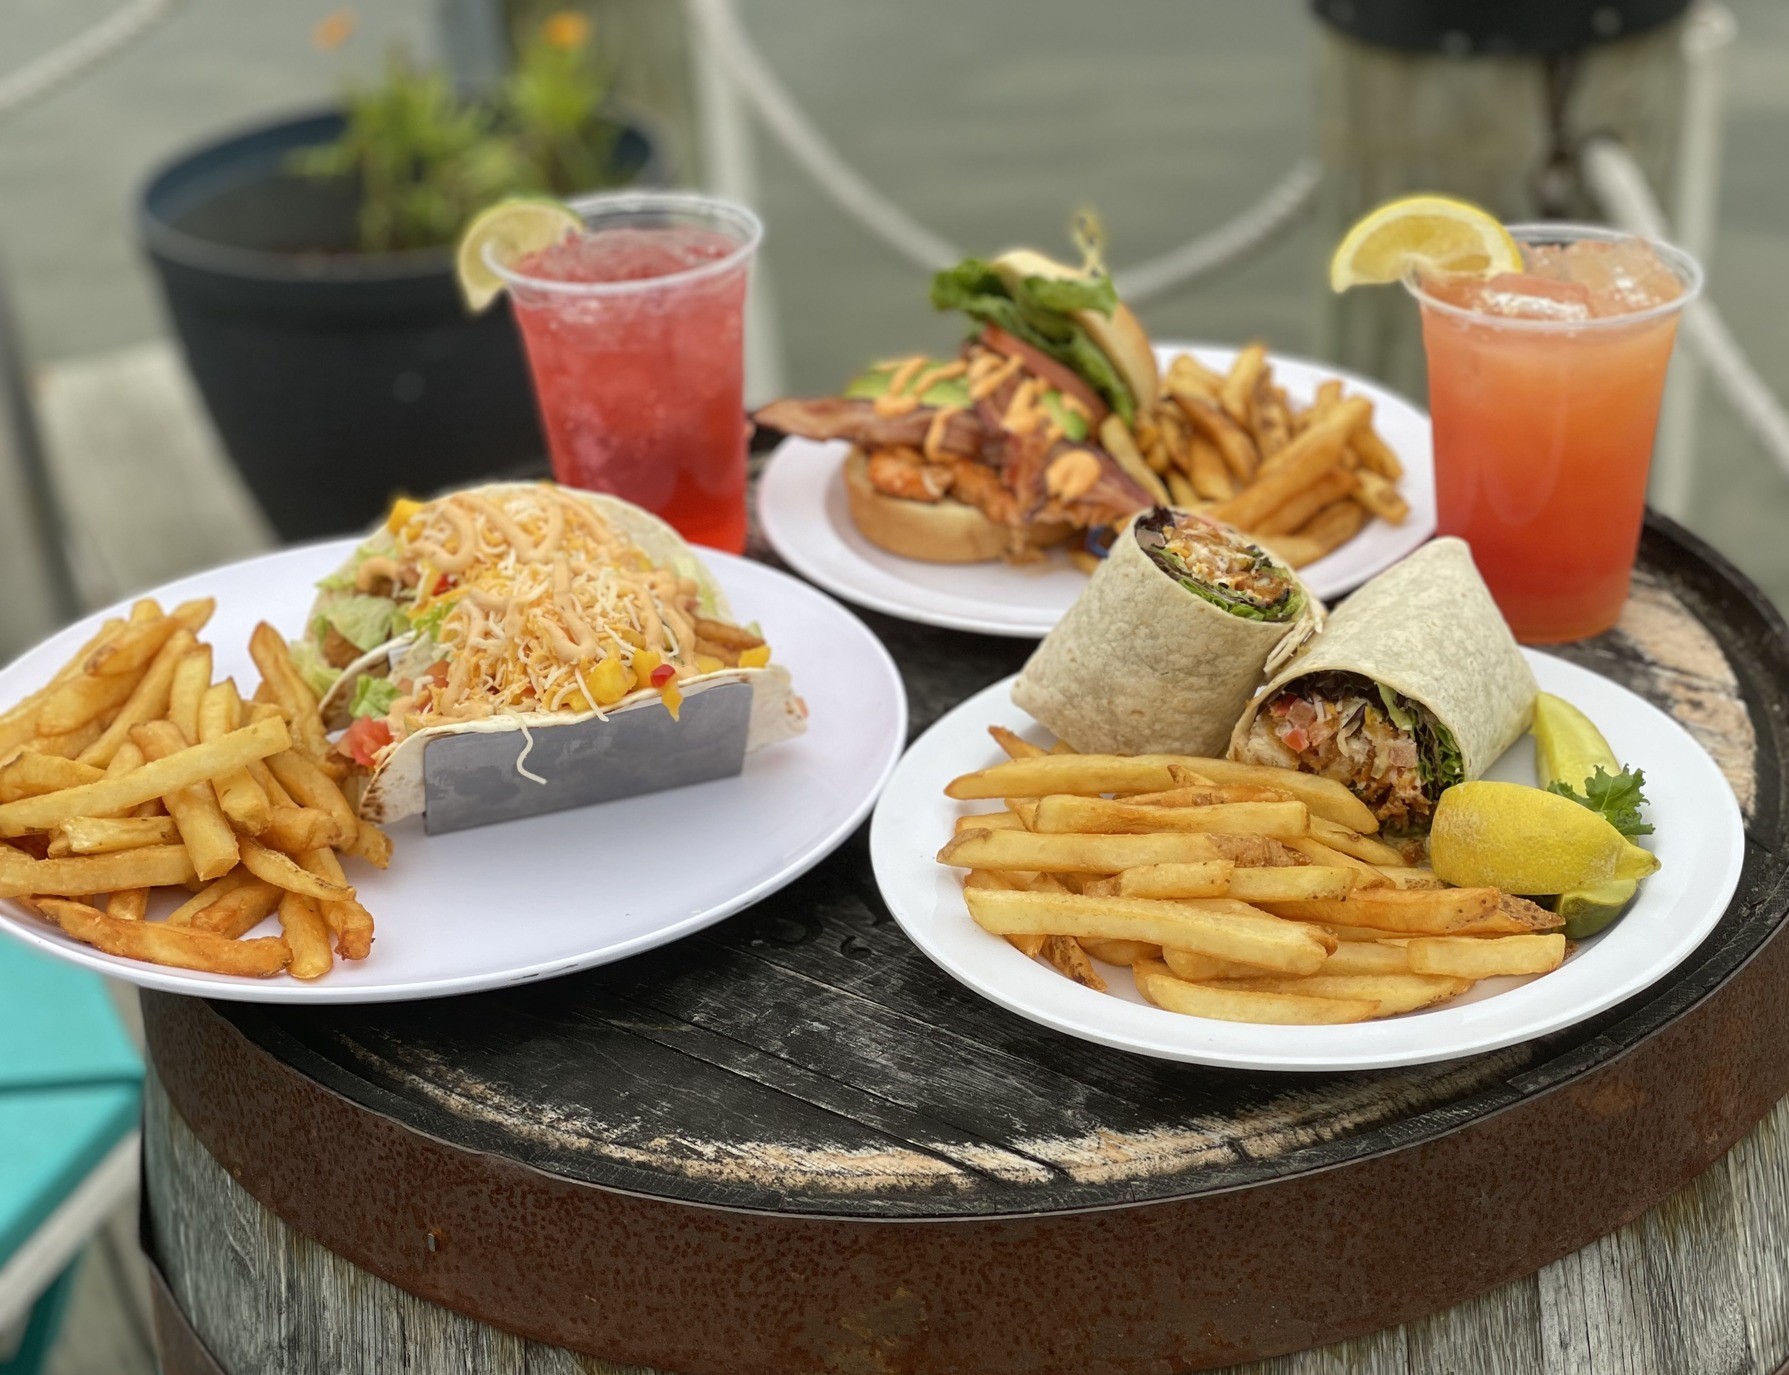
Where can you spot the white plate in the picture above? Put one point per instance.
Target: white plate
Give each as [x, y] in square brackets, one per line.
[536, 898]
[801, 503]
[1698, 838]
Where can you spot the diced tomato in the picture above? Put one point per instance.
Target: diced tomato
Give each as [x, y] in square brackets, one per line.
[1294, 738]
[445, 583]
[362, 740]
[663, 674]
[1039, 364]
[437, 670]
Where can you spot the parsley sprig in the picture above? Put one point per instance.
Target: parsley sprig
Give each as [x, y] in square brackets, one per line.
[1617, 799]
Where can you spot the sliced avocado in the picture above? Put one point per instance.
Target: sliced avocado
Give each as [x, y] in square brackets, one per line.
[951, 391]
[1072, 423]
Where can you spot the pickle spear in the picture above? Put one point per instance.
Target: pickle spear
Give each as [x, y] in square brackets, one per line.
[1569, 749]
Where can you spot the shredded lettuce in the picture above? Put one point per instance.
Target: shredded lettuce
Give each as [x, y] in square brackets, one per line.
[372, 696]
[1438, 761]
[1038, 312]
[426, 623]
[317, 674]
[344, 580]
[366, 622]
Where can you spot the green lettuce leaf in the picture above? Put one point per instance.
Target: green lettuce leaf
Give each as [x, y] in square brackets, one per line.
[1617, 799]
[1224, 599]
[309, 662]
[372, 696]
[1069, 294]
[427, 623]
[364, 621]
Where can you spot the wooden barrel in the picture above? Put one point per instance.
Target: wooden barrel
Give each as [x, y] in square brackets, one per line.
[790, 1144]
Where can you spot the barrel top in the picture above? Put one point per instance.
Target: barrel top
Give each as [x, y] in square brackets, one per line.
[805, 1057]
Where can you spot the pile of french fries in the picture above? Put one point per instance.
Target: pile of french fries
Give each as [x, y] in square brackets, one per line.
[1303, 482]
[1233, 891]
[132, 771]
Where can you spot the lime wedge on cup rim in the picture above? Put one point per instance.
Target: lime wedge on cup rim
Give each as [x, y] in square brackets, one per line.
[506, 231]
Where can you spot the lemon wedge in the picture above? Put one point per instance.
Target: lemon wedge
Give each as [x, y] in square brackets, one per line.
[1436, 233]
[510, 228]
[1524, 840]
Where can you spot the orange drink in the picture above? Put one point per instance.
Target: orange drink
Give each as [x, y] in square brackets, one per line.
[1544, 390]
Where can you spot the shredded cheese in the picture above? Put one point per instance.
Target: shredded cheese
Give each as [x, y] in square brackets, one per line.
[527, 749]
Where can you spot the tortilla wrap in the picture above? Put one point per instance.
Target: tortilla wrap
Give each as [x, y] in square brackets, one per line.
[395, 788]
[1141, 665]
[1427, 628]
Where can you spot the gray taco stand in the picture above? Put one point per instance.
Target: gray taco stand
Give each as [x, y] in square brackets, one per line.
[791, 1144]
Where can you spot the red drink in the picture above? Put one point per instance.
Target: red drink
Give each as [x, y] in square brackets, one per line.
[1544, 390]
[635, 335]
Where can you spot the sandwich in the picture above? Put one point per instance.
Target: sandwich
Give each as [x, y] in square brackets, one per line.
[1018, 443]
[520, 607]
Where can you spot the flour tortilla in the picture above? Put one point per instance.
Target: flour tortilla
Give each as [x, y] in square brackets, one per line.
[395, 789]
[1140, 665]
[1428, 629]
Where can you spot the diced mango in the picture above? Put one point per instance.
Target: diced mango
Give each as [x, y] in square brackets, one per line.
[609, 681]
[401, 511]
[673, 697]
[707, 663]
[575, 700]
[645, 660]
[755, 657]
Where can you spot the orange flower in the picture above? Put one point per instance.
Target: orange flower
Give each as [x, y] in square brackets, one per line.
[334, 29]
[566, 30]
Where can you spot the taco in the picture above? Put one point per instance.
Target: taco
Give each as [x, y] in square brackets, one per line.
[515, 607]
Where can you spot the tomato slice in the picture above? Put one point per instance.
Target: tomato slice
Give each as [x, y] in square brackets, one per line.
[1039, 364]
[365, 738]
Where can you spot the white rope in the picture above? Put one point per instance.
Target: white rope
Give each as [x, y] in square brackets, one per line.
[1620, 187]
[42, 75]
[731, 49]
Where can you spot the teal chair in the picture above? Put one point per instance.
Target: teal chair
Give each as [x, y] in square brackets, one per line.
[70, 1087]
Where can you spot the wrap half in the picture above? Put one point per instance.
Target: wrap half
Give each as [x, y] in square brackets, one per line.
[1175, 630]
[1415, 684]
[520, 608]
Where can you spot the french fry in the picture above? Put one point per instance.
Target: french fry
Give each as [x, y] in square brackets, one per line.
[370, 844]
[243, 801]
[1115, 438]
[989, 821]
[84, 698]
[30, 774]
[1207, 879]
[1233, 443]
[1367, 957]
[1375, 454]
[1074, 854]
[113, 796]
[1197, 968]
[159, 943]
[204, 830]
[128, 904]
[1390, 994]
[1329, 529]
[73, 745]
[283, 872]
[349, 922]
[210, 893]
[99, 835]
[1094, 815]
[240, 910]
[1188, 372]
[1314, 453]
[1237, 394]
[1156, 983]
[148, 701]
[1311, 882]
[150, 866]
[1381, 496]
[1406, 876]
[280, 676]
[1327, 856]
[1436, 912]
[1359, 934]
[1207, 795]
[1120, 952]
[1092, 774]
[18, 723]
[1206, 469]
[311, 787]
[294, 830]
[301, 923]
[131, 650]
[1014, 745]
[192, 676]
[1472, 957]
[1028, 945]
[1298, 508]
[1212, 926]
[1065, 955]
[1350, 842]
[1180, 491]
[1273, 421]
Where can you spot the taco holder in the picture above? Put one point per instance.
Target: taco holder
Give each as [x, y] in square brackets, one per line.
[476, 778]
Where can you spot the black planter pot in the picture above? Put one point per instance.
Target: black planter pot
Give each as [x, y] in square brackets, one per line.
[335, 378]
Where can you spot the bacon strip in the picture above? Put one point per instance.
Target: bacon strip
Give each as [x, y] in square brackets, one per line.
[840, 417]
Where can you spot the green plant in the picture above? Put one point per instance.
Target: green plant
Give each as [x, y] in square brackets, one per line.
[426, 158]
